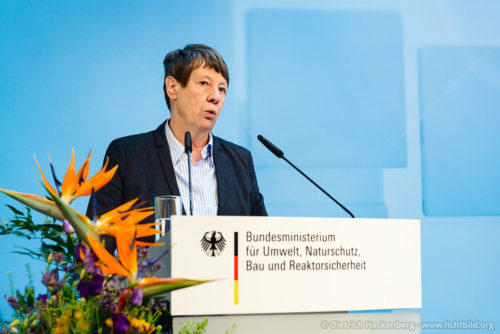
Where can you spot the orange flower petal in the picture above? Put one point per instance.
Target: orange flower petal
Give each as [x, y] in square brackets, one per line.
[110, 264]
[149, 244]
[47, 184]
[96, 182]
[127, 254]
[82, 174]
[113, 214]
[84, 170]
[68, 186]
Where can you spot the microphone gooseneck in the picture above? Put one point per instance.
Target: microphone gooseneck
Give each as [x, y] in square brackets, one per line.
[279, 153]
[188, 146]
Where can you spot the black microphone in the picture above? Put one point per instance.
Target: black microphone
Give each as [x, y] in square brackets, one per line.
[270, 146]
[188, 146]
[279, 153]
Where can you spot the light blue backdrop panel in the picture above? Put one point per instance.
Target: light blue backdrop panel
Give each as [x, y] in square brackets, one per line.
[460, 126]
[287, 193]
[460, 271]
[330, 82]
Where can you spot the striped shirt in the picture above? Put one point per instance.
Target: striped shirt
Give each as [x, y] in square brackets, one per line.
[204, 181]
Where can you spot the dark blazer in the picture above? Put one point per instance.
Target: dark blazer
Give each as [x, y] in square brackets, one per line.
[145, 170]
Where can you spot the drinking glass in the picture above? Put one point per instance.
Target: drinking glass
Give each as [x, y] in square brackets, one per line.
[166, 206]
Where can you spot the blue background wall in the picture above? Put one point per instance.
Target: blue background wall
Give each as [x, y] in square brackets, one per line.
[393, 106]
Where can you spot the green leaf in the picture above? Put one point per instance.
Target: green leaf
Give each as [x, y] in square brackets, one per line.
[45, 251]
[55, 248]
[35, 202]
[168, 284]
[20, 300]
[27, 251]
[51, 226]
[33, 256]
[70, 247]
[82, 228]
[30, 296]
[50, 233]
[191, 327]
[16, 211]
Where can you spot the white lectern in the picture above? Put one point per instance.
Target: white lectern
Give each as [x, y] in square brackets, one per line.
[278, 265]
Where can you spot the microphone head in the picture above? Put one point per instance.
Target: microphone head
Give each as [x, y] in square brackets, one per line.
[188, 145]
[270, 146]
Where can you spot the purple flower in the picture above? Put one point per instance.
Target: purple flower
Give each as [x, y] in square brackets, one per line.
[88, 258]
[141, 267]
[43, 300]
[81, 252]
[91, 288]
[50, 278]
[66, 268]
[91, 267]
[106, 302]
[13, 302]
[120, 323]
[58, 257]
[157, 266]
[136, 297]
[67, 227]
[46, 279]
[142, 252]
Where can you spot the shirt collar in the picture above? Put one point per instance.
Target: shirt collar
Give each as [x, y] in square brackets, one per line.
[177, 149]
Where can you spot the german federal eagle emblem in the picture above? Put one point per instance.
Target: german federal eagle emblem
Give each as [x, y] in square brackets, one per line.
[213, 243]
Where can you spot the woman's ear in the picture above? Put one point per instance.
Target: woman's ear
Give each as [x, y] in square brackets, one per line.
[171, 87]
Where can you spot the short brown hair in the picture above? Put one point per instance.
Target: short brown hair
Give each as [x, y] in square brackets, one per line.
[182, 62]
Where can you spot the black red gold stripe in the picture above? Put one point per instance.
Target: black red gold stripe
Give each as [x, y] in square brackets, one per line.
[235, 268]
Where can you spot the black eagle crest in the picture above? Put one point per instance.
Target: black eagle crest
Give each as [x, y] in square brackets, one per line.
[213, 243]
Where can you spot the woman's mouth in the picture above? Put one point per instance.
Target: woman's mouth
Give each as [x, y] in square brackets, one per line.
[211, 112]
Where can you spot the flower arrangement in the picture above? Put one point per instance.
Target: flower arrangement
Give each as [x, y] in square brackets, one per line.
[89, 290]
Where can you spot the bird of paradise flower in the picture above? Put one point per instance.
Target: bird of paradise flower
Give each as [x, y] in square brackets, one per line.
[122, 223]
[74, 185]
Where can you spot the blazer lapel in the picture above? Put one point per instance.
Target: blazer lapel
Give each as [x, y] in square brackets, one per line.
[221, 163]
[165, 159]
